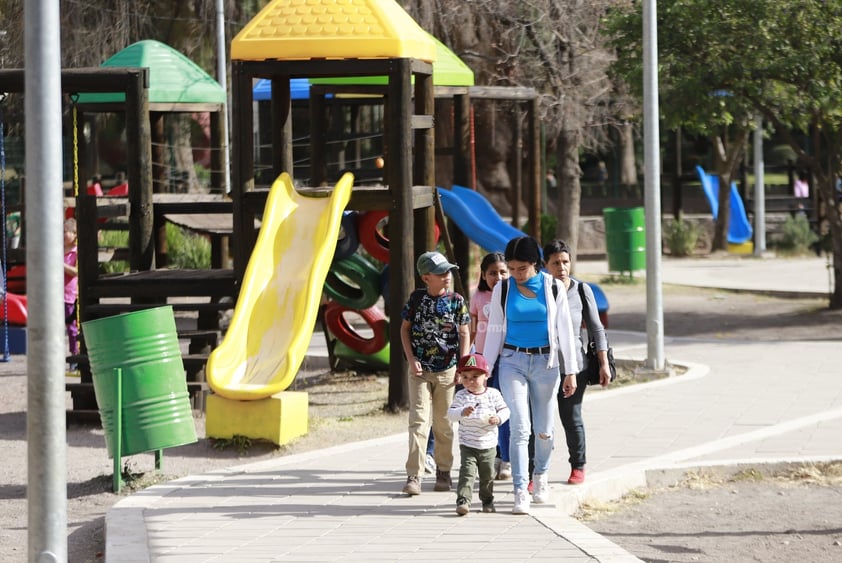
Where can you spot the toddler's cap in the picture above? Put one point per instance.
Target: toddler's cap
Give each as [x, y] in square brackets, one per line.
[473, 361]
[433, 263]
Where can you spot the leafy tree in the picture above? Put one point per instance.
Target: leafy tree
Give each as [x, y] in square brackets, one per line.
[722, 62]
[554, 46]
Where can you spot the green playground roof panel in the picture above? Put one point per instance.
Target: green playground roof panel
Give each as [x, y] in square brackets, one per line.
[173, 78]
[448, 70]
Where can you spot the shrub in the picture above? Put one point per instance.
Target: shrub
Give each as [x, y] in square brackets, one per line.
[186, 250]
[797, 236]
[548, 228]
[681, 236]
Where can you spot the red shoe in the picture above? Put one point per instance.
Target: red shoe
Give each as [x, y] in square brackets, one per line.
[577, 477]
[531, 487]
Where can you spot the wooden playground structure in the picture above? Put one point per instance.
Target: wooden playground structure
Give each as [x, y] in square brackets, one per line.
[407, 194]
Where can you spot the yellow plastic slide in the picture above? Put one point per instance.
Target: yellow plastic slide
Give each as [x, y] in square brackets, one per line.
[280, 294]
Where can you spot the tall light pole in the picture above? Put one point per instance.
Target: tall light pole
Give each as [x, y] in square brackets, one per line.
[222, 78]
[45, 431]
[652, 190]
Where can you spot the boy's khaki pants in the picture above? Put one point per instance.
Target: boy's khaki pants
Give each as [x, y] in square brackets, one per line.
[430, 395]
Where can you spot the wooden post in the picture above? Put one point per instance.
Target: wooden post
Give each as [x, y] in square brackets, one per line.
[242, 181]
[139, 141]
[217, 162]
[318, 148]
[281, 105]
[401, 223]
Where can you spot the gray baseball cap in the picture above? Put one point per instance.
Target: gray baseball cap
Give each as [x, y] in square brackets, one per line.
[434, 263]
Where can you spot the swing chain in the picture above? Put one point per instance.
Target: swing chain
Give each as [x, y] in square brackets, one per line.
[75, 98]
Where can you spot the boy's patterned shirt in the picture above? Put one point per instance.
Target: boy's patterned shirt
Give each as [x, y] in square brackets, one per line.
[435, 326]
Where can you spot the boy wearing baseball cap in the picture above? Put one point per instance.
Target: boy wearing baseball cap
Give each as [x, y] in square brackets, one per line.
[479, 409]
[435, 333]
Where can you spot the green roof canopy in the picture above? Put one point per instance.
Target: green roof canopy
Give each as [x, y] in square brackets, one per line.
[448, 70]
[173, 78]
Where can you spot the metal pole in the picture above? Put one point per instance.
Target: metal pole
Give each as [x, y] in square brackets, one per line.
[222, 77]
[45, 426]
[652, 189]
[759, 195]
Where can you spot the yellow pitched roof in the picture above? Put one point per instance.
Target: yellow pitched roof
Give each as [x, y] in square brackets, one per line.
[332, 29]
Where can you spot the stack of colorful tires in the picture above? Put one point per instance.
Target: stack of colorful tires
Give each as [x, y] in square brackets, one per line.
[354, 286]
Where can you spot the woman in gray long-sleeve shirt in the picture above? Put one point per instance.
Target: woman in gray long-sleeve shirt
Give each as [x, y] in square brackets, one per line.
[557, 260]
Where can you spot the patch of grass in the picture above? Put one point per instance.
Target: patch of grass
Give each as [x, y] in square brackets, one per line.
[620, 280]
[241, 443]
[186, 250]
[591, 511]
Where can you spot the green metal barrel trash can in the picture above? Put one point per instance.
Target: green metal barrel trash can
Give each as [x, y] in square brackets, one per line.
[156, 410]
[625, 238]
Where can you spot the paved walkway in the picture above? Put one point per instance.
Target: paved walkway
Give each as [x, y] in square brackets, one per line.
[739, 402]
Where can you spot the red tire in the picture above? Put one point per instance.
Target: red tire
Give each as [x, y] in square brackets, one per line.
[338, 325]
[373, 240]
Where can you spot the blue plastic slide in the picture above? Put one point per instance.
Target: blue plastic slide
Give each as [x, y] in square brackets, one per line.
[739, 227]
[477, 218]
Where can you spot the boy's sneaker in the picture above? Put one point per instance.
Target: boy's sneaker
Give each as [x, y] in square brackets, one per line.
[541, 494]
[577, 476]
[505, 471]
[429, 465]
[413, 486]
[443, 481]
[463, 506]
[488, 506]
[521, 502]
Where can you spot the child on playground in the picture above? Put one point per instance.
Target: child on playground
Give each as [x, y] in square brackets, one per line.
[71, 285]
[492, 269]
[434, 335]
[479, 410]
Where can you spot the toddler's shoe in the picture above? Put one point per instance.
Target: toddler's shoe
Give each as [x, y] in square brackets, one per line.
[413, 486]
[443, 481]
[577, 476]
[463, 506]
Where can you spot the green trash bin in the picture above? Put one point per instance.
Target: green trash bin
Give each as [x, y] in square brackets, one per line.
[156, 410]
[625, 238]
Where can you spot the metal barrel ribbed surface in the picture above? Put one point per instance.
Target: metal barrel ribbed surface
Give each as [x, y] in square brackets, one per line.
[156, 410]
[625, 238]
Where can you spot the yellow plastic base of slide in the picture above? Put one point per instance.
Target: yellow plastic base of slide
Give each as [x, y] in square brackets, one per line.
[743, 248]
[280, 418]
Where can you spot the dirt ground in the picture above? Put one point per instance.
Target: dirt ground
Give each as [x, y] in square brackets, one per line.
[347, 407]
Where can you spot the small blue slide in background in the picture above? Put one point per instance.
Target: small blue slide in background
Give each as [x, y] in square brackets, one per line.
[739, 227]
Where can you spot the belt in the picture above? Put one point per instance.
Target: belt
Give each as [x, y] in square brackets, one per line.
[536, 350]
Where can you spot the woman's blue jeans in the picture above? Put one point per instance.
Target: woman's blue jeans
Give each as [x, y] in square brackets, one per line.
[526, 382]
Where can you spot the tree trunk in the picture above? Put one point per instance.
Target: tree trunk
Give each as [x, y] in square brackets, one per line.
[726, 167]
[569, 190]
[628, 168]
[827, 188]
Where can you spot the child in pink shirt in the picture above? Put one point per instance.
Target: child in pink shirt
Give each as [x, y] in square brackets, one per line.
[71, 285]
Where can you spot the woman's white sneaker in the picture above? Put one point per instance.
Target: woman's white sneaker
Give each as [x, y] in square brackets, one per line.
[521, 502]
[541, 493]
